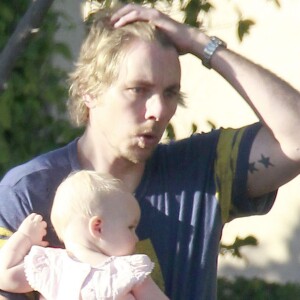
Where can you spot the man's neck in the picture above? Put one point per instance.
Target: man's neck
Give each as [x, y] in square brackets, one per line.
[96, 157]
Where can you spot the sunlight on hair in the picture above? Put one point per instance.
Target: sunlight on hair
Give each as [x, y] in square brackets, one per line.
[91, 7]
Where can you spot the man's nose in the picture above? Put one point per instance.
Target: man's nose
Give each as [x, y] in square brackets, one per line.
[155, 108]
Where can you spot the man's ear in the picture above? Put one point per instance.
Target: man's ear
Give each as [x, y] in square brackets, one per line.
[89, 101]
[95, 226]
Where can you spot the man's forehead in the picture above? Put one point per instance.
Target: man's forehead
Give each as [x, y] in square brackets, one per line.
[154, 47]
[145, 60]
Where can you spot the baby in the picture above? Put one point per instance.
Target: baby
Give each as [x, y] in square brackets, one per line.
[96, 217]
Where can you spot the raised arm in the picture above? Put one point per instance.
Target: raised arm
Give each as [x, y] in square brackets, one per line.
[275, 153]
[12, 276]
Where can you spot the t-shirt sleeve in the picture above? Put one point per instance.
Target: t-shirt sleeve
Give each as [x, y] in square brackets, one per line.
[13, 210]
[231, 171]
[10, 296]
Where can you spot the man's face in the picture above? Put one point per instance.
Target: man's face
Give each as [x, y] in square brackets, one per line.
[135, 110]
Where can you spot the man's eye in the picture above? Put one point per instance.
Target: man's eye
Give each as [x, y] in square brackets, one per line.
[137, 90]
[172, 94]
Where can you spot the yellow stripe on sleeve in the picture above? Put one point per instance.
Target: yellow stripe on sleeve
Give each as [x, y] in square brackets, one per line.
[225, 167]
[4, 235]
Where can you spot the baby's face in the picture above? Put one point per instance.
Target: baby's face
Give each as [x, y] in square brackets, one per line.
[119, 225]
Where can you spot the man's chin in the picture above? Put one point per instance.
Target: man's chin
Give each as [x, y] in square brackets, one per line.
[139, 156]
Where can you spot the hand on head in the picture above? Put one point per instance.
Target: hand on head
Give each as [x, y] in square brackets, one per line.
[35, 229]
[180, 34]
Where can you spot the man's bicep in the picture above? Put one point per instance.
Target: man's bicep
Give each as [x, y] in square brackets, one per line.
[268, 168]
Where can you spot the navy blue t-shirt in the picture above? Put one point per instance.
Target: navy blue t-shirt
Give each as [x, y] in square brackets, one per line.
[189, 190]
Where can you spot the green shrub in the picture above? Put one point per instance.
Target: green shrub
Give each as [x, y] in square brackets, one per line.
[256, 289]
[32, 108]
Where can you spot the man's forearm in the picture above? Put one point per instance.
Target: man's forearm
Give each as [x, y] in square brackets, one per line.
[276, 103]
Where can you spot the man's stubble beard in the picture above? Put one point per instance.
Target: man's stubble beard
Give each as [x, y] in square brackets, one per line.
[135, 157]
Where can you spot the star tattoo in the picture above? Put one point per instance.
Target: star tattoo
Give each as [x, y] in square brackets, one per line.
[252, 168]
[265, 161]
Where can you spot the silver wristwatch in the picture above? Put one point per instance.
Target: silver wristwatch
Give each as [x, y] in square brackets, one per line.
[210, 49]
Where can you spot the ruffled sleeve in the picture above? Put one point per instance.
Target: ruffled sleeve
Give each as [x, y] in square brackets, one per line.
[37, 267]
[51, 272]
[139, 266]
[121, 274]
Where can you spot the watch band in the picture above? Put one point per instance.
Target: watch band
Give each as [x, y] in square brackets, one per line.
[210, 49]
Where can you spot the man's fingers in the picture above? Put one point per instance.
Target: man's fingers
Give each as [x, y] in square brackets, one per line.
[122, 11]
[132, 13]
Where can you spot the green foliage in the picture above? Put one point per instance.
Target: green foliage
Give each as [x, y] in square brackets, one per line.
[258, 289]
[276, 2]
[32, 108]
[244, 27]
[235, 247]
[193, 9]
[170, 131]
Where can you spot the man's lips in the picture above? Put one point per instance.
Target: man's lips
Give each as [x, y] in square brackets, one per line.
[147, 140]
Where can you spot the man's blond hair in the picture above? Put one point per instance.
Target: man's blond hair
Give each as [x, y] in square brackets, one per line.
[100, 57]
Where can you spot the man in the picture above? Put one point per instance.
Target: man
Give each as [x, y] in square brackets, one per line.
[125, 89]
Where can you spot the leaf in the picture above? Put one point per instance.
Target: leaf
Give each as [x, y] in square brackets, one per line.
[244, 27]
[63, 50]
[194, 128]
[4, 153]
[211, 124]
[277, 2]
[5, 111]
[193, 9]
[235, 247]
[170, 132]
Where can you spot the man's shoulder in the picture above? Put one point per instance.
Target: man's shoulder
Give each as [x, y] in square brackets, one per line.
[212, 137]
[52, 163]
[194, 143]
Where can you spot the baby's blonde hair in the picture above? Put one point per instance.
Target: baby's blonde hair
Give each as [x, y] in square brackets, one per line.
[100, 58]
[80, 196]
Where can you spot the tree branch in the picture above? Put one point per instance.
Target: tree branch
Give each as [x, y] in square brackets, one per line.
[28, 25]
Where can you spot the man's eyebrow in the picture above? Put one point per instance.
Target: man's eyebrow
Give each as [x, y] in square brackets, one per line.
[139, 82]
[142, 82]
[174, 87]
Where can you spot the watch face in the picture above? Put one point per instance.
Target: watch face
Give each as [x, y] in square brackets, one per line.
[210, 49]
[218, 41]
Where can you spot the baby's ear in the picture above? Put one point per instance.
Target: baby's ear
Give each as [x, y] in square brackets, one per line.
[95, 226]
